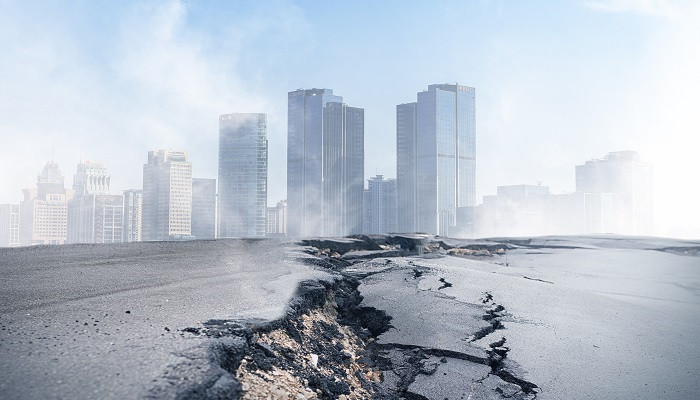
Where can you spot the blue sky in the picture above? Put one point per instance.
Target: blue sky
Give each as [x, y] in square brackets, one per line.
[557, 83]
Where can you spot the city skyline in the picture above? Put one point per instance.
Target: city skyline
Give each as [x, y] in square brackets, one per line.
[545, 102]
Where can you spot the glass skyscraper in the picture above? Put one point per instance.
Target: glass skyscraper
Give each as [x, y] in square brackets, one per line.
[436, 152]
[325, 164]
[406, 162]
[242, 175]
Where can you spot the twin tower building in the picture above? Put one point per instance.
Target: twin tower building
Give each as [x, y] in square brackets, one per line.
[436, 160]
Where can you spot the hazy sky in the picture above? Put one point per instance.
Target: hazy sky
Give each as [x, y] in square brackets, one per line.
[557, 83]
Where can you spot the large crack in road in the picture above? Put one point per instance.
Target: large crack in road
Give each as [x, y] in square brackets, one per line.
[329, 345]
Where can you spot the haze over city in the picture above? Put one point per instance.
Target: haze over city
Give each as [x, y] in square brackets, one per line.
[556, 84]
[349, 200]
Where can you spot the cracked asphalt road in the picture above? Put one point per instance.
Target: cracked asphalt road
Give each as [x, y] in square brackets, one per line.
[590, 317]
[86, 321]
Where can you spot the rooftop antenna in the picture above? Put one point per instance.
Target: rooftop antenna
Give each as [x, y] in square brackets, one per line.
[53, 152]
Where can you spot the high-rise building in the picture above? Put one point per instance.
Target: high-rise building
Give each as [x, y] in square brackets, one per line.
[44, 211]
[167, 196]
[325, 164]
[406, 162]
[277, 220]
[9, 225]
[380, 205]
[623, 174]
[437, 157]
[133, 206]
[203, 208]
[242, 175]
[96, 218]
[90, 178]
[94, 215]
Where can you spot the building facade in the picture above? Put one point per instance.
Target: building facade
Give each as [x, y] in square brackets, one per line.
[624, 175]
[9, 225]
[406, 162]
[325, 164]
[96, 218]
[436, 143]
[380, 206]
[94, 215]
[242, 175]
[167, 196]
[133, 206]
[44, 210]
[203, 208]
[90, 178]
[277, 220]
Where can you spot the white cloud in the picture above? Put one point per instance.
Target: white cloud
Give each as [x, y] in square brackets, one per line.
[152, 79]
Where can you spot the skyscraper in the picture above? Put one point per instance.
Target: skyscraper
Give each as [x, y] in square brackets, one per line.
[44, 211]
[94, 215]
[9, 225]
[167, 196]
[90, 178]
[380, 205]
[133, 210]
[406, 162]
[630, 180]
[242, 175]
[437, 157]
[203, 208]
[277, 220]
[325, 164]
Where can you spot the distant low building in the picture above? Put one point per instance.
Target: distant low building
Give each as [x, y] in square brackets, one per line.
[9, 225]
[630, 180]
[516, 210]
[583, 213]
[613, 195]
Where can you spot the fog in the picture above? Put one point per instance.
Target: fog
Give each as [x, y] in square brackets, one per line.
[556, 85]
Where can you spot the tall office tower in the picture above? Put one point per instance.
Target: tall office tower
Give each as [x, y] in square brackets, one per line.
[44, 211]
[623, 174]
[203, 208]
[380, 205]
[406, 161]
[437, 157]
[242, 175]
[277, 220]
[90, 178]
[167, 196]
[9, 225]
[325, 164]
[94, 215]
[133, 206]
